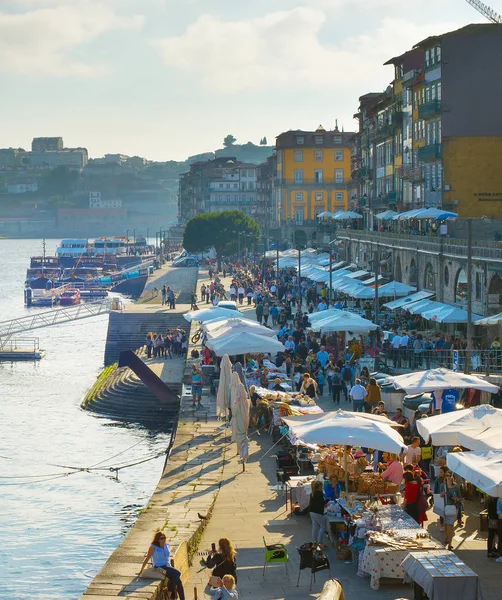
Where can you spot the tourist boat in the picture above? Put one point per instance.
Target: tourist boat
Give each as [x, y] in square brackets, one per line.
[74, 251]
[69, 297]
[42, 272]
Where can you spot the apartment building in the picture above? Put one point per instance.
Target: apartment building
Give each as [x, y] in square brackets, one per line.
[434, 138]
[313, 175]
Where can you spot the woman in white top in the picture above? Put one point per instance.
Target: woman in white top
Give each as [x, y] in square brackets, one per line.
[158, 553]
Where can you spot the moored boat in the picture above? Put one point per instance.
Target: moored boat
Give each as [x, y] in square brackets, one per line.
[70, 297]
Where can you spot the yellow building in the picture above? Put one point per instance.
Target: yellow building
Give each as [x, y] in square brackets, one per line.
[313, 173]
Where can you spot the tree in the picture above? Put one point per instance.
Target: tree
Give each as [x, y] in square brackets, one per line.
[60, 181]
[263, 142]
[220, 230]
[229, 140]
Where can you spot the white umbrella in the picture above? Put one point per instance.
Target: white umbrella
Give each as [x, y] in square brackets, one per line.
[324, 314]
[223, 395]
[482, 469]
[346, 215]
[235, 326]
[444, 429]
[361, 292]
[244, 343]
[493, 320]
[435, 213]
[240, 414]
[418, 308]
[481, 441]
[344, 322]
[347, 429]
[440, 379]
[401, 302]
[207, 314]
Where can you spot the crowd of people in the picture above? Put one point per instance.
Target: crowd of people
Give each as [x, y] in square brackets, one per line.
[173, 343]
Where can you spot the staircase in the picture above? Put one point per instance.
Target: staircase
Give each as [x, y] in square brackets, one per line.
[128, 331]
[125, 397]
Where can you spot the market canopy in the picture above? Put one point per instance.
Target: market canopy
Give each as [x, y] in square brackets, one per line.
[482, 469]
[344, 322]
[435, 213]
[226, 327]
[444, 429]
[395, 288]
[440, 379]
[212, 312]
[386, 215]
[357, 274]
[421, 306]
[325, 314]
[244, 343]
[482, 441]
[345, 215]
[401, 302]
[360, 292]
[493, 320]
[447, 314]
[347, 429]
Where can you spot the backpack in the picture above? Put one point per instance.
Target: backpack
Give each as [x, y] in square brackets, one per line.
[195, 353]
[346, 374]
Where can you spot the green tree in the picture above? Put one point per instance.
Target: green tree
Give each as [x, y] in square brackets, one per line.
[220, 230]
[229, 140]
[61, 180]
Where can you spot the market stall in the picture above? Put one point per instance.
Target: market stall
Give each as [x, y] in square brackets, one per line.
[482, 469]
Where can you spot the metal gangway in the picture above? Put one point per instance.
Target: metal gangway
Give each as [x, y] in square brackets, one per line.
[53, 317]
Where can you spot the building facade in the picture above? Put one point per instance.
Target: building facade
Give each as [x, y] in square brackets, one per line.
[44, 144]
[313, 175]
[434, 138]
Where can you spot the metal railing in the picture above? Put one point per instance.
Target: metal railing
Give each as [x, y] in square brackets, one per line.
[19, 344]
[487, 362]
[456, 248]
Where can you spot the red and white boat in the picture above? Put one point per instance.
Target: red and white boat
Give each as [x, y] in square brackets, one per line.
[69, 297]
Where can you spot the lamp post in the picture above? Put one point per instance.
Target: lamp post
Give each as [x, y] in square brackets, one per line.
[127, 235]
[134, 235]
[467, 367]
[376, 260]
[330, 268]
[299, 276]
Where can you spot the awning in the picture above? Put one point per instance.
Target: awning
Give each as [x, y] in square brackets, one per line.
[357, 274]
[482, 469]
[493, 320]
[386, 215]
[408, 300]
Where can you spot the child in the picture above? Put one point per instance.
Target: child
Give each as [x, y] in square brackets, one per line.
[226, 590]
[320, 381]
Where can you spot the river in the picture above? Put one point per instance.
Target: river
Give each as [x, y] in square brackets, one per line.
[57, 532]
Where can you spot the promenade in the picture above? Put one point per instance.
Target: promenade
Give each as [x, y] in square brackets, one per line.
[203, 475]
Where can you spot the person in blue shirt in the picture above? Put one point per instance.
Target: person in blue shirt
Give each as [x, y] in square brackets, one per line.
[450, 400]
[322, 356]
[332, 489]
[320, 381]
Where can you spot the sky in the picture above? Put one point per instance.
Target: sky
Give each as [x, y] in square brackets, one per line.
[166, 79]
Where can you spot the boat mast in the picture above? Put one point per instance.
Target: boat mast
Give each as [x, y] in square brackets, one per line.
[43, 255]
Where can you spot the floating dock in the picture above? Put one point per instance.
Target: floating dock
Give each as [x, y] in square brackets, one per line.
[19, 354]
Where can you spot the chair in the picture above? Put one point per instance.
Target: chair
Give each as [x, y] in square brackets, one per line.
[311, 557]
[275, 553]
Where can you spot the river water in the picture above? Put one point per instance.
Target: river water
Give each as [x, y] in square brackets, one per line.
[57, 532]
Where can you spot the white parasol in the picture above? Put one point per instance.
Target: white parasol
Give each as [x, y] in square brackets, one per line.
[440, 379]
[244, 343]
[344, 322]
[236, 326]
[482, 441]
[482, 469]
[444, 429]
[210, 313]
[240, 414]
[223, 395]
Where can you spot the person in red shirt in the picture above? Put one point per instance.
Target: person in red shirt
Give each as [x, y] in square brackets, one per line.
[411, 492]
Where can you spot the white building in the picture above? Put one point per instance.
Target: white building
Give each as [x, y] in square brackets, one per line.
[69, 157]
[21, 188]
[235, 188]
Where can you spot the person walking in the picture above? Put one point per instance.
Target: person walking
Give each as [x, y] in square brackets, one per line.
[196, 387]
[358, 394]
[164, 295]
[259, 311]
[374, 394]
[337, 385]
[316, 510]
[450, 492]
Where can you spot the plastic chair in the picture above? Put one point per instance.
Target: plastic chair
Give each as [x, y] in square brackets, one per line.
[314, 559]
[275, 553]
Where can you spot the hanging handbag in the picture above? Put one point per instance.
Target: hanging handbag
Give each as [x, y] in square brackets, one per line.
[450, 510]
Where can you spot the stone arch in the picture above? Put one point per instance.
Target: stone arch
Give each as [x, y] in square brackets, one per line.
[495, 286]
[398, 271]
[429, 277]
[413, 273]
[461, 286]
[301, 237]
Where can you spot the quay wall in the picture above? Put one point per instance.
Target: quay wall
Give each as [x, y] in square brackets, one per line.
[189, 485]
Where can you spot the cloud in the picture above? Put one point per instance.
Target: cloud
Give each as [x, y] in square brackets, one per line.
[284, 49]
[41, 41]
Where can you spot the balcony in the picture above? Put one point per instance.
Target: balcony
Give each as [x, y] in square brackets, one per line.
[429, 109]
[384, 131]
[310, 183]
[411, 174]
[386, 199]
[397, 118]
[430, 152]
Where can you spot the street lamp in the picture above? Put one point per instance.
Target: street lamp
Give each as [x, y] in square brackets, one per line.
[330, 268]
[127, 235]
[134, 235]
[299, 276]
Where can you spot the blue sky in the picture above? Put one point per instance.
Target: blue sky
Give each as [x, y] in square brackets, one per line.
[166, 79]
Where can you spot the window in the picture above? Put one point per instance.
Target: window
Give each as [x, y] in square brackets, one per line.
[388, 153]
[319, 139]
[318, 155]
[220, 186]
[433, 92]
[427, 94]
[298, 156]
[438, 135]
[427, 57]
[300, 140]
[439, 176]
[251, 173]
[339, 176]
[220, 198]
[298, 175]
[299, 217]
[236, 186]
[236, 198]
[318, 196]
[339, 196]
[228, 198]
[228, 186]
[244, 197]
[299, 196]
[438, 54]
[338, 155]
[422, 96]
[433, 178]
[337, 139]
[427, 177]
[318, 211]
[439, 90]
[318, 175]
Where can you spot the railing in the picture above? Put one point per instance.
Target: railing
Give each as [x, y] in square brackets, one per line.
[491, 251]
[429, 109]
[413, 174]
[311, 182]
[384, 131]
[16, 344]
[429, 152]
[488, 362]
